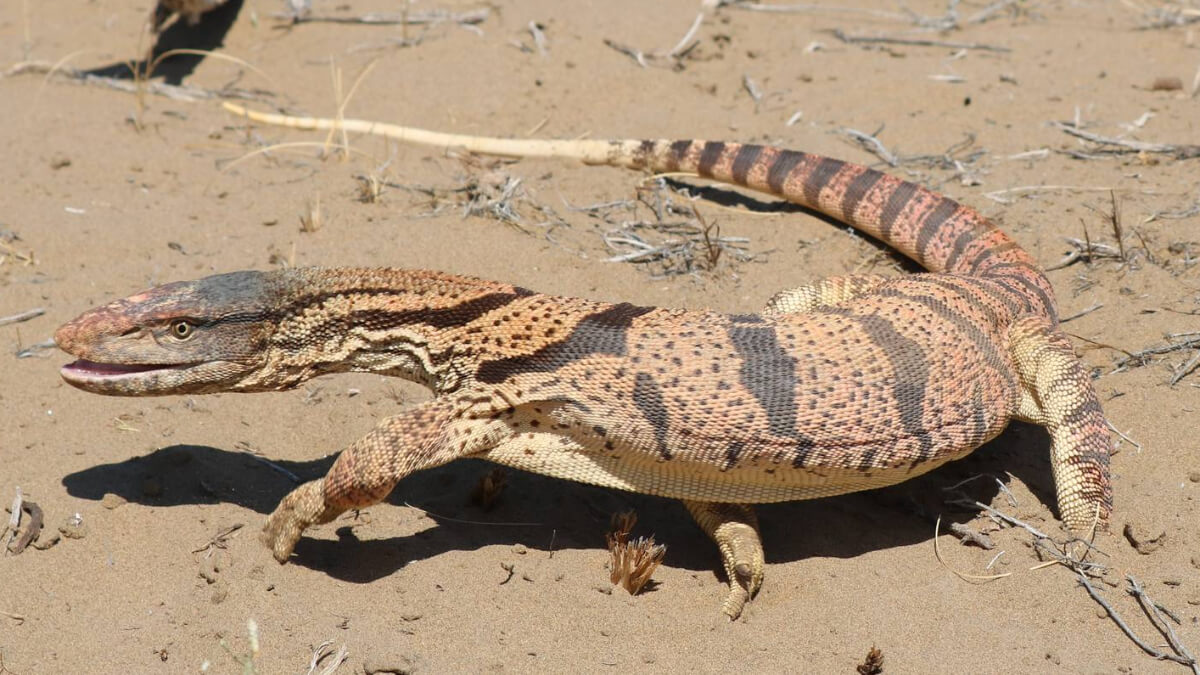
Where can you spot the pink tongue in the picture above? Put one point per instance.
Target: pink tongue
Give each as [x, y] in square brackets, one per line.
[92, 368]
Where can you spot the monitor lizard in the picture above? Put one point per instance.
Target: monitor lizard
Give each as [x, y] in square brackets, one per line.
[847, 383]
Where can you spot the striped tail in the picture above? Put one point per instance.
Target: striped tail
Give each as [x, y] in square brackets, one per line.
[937, 232]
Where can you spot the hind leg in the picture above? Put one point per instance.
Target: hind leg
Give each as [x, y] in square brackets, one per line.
[824, 293]
[734, 528]
[1057, 393]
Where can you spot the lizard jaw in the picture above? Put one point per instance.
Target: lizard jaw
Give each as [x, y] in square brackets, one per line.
[115, 379]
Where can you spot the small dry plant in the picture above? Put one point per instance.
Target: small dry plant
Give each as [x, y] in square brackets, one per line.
[311, 219]
[489, 488]
[873, 664]
[632, 562]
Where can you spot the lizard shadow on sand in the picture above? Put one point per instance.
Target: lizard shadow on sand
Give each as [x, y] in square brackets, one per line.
[547, 514]
[208, 34]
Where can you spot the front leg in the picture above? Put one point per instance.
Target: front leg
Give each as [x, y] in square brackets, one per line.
[429, 435]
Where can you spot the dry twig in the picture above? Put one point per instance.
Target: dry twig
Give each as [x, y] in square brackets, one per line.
[22, 316]
[1120, 145]
[219, 540]
[34, 528]
[1175, 342]
[673, 58]
[335, 659]
[36, 349]
[915, 42]
[14, 519]
[1154, 612]
[410, 18]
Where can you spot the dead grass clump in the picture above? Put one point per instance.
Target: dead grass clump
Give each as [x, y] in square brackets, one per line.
[873, 664]
[632, 562]
[487, 491]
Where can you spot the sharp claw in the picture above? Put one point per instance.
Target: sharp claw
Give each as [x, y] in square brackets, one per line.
[303, 507]
[743, 574]
[735, 602]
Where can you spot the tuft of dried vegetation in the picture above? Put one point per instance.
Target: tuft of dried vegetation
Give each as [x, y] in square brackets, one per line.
[1169, 15]
[311, 219]
[873, 664]
[489, 488]
[632, 562]
[675, 240]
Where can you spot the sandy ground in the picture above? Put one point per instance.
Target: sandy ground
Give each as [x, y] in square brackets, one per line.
[102, 197]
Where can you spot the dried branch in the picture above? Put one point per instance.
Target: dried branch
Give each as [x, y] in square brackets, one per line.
[873, 145]
[811, 8]
[915, 42]
[22, 316]
[36, 520]
[1141, 358]
[1080, 313]
[672, 58]
[1153, 611]
[320, 652]
[36, 349]
[1177, 151]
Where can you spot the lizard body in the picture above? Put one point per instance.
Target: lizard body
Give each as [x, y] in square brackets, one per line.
[845, 384]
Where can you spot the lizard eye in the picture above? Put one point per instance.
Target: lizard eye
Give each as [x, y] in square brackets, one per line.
[182, 329]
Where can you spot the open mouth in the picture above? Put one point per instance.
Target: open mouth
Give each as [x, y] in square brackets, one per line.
[91, 370]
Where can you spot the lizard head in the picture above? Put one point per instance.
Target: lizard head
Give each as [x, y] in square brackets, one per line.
[186, 337]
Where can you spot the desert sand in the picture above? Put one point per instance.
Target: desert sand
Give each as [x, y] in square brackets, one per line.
[156, 502]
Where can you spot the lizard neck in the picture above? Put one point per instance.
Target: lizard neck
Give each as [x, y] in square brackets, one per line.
[386, 321]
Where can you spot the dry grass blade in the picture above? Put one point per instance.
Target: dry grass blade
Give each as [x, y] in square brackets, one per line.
[7, 251]
[812, 8]
[410, 18]
[937, 554]
[632, 562]
[311, 219]
[320, 653]
[209, 55]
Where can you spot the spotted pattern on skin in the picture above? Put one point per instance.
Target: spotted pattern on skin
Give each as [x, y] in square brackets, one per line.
[844, 385]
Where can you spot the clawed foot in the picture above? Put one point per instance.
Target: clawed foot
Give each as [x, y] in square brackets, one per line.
[742, 554]
[734, 528]
[303, 507]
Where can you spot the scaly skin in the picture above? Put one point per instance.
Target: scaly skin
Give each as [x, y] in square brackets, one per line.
[846, 384]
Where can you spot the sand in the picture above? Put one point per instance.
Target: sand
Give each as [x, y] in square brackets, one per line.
[105, 194]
